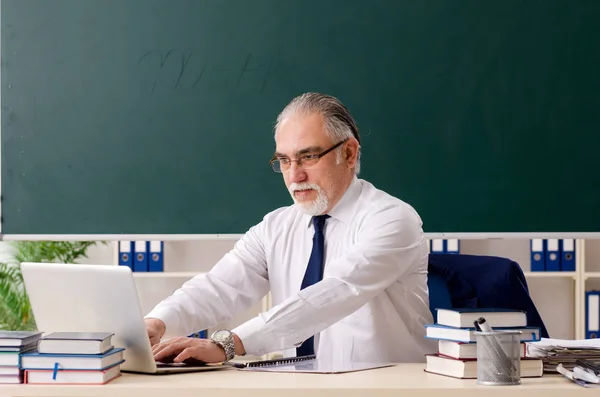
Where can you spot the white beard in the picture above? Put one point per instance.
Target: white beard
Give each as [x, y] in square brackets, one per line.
[315, 207]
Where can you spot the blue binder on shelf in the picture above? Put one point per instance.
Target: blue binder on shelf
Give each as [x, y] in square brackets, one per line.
[200, 334]
[592, 314]
[155, 256]
[552, 255]
[538, 255]
[437, 246]
[140, 259]
[567, 255]
[452, 246]
[125, 254]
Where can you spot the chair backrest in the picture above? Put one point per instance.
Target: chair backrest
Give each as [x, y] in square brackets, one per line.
[477, 281]
[439, 294]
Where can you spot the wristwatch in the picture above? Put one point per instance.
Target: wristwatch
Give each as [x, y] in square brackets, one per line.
[224, 338]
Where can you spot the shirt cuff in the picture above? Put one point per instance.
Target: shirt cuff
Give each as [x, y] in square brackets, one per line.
[169, 317]
[255, 338]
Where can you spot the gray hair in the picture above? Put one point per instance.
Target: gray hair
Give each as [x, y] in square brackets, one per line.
[339, 123]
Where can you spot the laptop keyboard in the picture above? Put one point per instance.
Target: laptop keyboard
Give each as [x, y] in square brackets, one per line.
[184, 364]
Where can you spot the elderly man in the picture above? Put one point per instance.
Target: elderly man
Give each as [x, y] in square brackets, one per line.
[346, 264]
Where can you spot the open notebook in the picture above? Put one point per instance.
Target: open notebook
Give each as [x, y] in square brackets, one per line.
[309, 364]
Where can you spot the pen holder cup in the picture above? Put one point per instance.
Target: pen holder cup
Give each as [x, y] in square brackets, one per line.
[498, 358]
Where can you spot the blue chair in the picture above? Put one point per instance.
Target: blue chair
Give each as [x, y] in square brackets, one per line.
[477, 281]
[439, 294]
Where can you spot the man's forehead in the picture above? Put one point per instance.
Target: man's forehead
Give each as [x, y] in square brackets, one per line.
[300, 132]
[300, 144]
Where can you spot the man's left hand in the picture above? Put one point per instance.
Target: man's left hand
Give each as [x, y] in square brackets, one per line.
[185, 349]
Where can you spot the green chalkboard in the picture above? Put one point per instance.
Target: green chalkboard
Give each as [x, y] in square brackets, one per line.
[141, 116]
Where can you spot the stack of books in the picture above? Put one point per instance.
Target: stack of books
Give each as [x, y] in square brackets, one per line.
[12, 345]
[457, 344]
[73, 358]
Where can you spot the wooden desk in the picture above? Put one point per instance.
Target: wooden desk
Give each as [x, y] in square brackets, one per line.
[402, 380]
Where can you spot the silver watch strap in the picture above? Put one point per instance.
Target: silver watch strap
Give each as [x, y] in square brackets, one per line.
[229, 348]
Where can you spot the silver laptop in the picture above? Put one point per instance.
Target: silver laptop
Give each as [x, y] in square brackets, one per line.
[96, 298]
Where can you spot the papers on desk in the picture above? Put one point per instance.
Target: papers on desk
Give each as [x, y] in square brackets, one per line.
[308, 364]
[566, 343]
[318, 367]
[563, 351]
[581, 375]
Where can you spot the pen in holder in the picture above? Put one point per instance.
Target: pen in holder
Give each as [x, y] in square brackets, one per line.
[498, 355]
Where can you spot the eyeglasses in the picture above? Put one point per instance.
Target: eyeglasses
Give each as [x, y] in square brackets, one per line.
[305, 161]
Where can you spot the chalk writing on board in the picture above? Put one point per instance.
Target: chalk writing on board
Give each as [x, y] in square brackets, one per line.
[176, 69]
[161, 58]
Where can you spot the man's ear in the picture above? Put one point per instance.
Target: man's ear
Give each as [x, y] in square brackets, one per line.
[351, 152]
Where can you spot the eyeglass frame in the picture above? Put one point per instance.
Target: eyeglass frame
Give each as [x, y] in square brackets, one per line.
[299, 161]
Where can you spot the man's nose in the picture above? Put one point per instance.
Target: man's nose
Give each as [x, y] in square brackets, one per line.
[296, 173]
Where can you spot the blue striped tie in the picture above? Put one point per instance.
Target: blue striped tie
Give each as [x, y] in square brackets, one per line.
[314, 273]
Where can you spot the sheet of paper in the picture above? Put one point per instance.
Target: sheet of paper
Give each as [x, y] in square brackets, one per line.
[316, 366]
[568, 343]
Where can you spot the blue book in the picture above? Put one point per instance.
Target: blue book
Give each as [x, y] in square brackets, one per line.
[442, 332]
[45, 361]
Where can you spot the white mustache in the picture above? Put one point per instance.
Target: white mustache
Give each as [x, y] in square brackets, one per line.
[303, 186]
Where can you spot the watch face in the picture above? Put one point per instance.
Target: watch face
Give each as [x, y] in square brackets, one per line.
[221, 335]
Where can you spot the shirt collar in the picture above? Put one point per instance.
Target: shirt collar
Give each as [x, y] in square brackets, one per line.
[342, 211]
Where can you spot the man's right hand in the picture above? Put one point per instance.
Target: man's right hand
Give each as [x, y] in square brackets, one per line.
[156, 329]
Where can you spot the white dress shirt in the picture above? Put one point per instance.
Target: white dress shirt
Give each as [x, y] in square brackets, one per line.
[371, 305]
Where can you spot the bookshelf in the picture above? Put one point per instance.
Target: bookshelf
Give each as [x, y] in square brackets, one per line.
[572, 275]
[559, 296]
[181, 275]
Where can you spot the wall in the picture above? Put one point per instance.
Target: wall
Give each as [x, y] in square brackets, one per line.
[553, 296]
